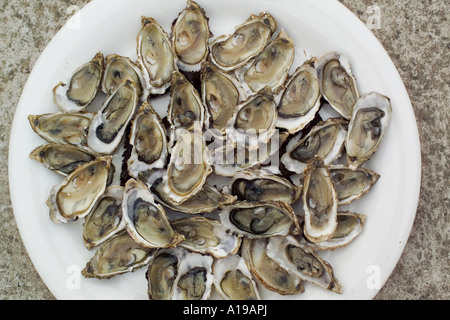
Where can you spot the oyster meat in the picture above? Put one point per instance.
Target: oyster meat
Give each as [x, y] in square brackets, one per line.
[367, 127]
[75, 197]
[190, 34]
[247, 41]
[82, 88]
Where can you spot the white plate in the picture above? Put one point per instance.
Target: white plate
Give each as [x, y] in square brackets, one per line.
[317, 27]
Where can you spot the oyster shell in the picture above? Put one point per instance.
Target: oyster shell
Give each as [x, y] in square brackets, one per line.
[105, 219]
[190, 34]
[148, 140]
[60, 158]
[259, 219]
[189, 166]
[325, 140]
[63, 128]
[247, 41]
[206, 236]
[221, 94]
[155, 56]
[145, 220]
[271, 67]
[75, 197]
[82, 87]
[303, 262]
[118, 69]
[254, 120]
[370, 118]
[109, 124]
[185, 109]
[233, 280]
[300, 99]
[118, 255]
[319, 202]
[337, 83]
[267, 271]
[352, 184]
[261, 185]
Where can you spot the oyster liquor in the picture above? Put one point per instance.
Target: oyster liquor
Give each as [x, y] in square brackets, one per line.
[239, 309]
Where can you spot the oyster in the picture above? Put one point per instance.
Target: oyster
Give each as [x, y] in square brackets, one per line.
[82, 88]
[300, 100]
[148, 140]
[366, 129]
[349, 226]
[261, 185]
[337, 83]
[60, 158]
[63, 128]
[205, 235]
[247, 41]
[105, 219]
[319, 202]
[221, 94]
[155, 56]
[75, 197]
[271, 67]
[185, 109]
[254, 120]
[352, 184]
[118, 69]
[146, 221]
[233, 280]
[119, 254]
[108, 126]
[303, 262]
[269, 272]
[189, 166]
[207, 199]
[190, 33]
[259, 219]
[325, 140]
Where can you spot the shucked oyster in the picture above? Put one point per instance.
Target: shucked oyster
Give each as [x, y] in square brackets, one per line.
[190, 33]
[247, 41]
[367, 127]
[146, 221]
[82, 88]
[337, 83]
[120, 254]
[75, 197]
[148, 140]
[155, 56]
[300, 100]
[108, 126]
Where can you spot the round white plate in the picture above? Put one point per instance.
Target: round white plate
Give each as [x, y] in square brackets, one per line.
[317, 27]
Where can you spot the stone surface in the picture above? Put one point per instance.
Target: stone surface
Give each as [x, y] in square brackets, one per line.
[415, 33]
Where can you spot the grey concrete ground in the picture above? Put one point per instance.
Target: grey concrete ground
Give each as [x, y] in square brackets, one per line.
[416, 35]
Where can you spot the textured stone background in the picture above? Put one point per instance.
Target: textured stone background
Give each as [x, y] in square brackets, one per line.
[415, 33]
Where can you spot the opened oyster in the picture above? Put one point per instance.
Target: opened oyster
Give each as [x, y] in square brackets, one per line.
[247, 41]
[190, 34]
[367, 127]
[155, 56]
[82, 87]
[75, 197]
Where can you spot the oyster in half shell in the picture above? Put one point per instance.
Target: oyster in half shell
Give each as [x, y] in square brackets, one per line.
[337, 83]
[75, 197]
[118, 255]
[146, 221]
[367, 127]
[247, 41]
[190, 34]
[82, 87]
[233, 279]
[155, 56]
